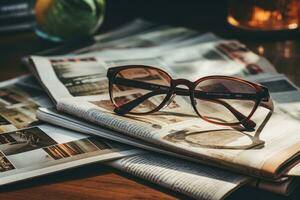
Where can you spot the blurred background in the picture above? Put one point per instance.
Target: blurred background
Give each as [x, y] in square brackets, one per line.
[282, 48]
[192, 13]
[204, 14]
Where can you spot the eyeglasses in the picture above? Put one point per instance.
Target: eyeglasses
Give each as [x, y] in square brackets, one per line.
[222, 100]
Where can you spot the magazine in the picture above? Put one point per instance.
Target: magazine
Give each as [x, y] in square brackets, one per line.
[78, 85]
[282, 186]
[30, 148]
[186, 61]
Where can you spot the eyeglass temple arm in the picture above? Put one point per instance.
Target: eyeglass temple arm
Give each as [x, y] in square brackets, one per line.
[268, 103]
[248, 124]
[126, 108]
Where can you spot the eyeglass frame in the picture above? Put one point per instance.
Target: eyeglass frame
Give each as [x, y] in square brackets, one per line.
[262, 96]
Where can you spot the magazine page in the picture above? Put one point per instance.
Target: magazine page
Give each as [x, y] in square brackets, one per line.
[44, 149]
[29, 149]
[199, 60]
[224, 57]
[196, 181]
[195, 58]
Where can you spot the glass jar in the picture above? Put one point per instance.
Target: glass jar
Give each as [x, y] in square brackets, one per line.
[60, 20]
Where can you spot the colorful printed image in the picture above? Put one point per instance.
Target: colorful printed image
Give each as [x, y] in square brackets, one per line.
[82, 77]
[74, 148]
[24, 140]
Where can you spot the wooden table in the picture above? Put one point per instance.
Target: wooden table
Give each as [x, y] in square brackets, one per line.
[98, 181]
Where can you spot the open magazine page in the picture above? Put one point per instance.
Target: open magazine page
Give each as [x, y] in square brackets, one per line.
[226, 57]
[194, 59]
[45, 149]
[191, 179]
[28, 150]
[82, 85]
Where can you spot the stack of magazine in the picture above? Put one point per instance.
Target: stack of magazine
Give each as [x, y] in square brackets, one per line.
[173, 147]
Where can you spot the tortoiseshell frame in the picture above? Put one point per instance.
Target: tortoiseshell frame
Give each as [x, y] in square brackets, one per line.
[261, 97]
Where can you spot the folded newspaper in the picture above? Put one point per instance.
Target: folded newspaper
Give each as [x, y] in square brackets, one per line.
[78, 86]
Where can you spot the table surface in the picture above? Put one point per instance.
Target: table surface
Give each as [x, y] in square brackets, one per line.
[98, 181]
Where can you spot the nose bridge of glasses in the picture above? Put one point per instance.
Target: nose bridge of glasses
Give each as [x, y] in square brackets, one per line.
[182, 91]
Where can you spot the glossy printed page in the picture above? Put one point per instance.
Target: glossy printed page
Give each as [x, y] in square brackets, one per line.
[28, 150]
[44, 149]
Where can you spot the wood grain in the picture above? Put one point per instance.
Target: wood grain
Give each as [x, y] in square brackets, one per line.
[89, 182]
